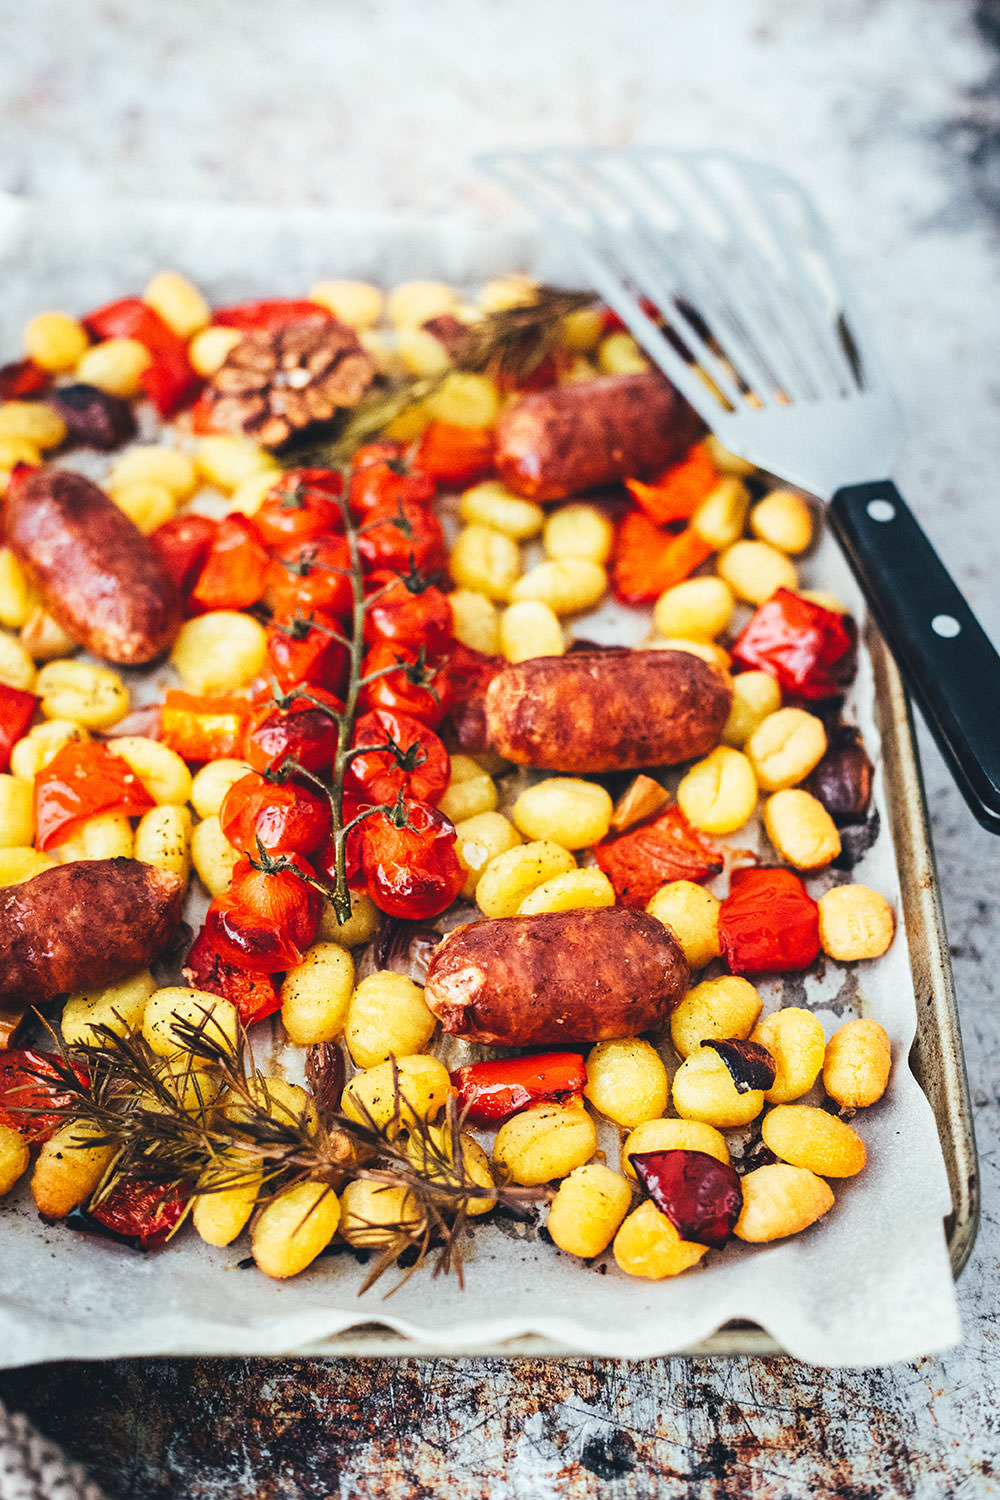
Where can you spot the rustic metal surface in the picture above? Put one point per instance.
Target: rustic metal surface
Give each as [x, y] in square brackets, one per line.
[888, 110]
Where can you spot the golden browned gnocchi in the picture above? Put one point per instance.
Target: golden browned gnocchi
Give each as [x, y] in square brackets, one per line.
[785, 747]
[423, 1084]
[387, 1017]
[470, 791]
[801, 829]
[514, 874]
[626, 1081]
[316, 995]
[698, 608]
[805, 1136]
[564, 810]
[545, 1142]
[857, 1064]
[796, 1040]
[673, 1135]
[724, 1007]
[719, 793]
[294, 1227]
[855, 922]
[692, 914]
[588, 1209]
[649, 1246]
[780, 1200]
[704, 1090]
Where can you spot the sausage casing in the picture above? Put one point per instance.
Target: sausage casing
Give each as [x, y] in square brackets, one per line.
[607, 710]
[568, 976]
[560, 441]
[81, 926]
[96, 572]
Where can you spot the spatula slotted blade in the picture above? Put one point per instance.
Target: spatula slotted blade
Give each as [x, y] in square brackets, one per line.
[726, 275]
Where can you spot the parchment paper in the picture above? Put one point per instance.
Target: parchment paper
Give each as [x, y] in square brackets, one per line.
[869, 1285]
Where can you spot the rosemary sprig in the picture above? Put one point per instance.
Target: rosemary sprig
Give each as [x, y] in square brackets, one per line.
[234, 1132]
[515, 340]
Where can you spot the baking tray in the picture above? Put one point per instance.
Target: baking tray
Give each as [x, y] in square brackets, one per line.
[309, 238]
[936, 1057]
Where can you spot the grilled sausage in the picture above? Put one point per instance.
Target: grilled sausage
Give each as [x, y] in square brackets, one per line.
[568, 976]
[96, 572]
[558, 442]
[607, 710]
[82, 926]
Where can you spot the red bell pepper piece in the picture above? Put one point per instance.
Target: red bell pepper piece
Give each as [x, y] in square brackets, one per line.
[768, 923]
[202, 416]
[22, 378]
[648, 560]
[204, 728]
[456, 455]
[182, 544]
[679, 491]
[17, 709]
[638, 862]
[806, 648]
[142, 1215]
[271, 313]
[255, 995]
[169, 380]
[80, 781]
[489, 1092]
[26, 1097]
[235, 572]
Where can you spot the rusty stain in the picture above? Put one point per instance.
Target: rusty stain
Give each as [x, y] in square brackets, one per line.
[254, 1429]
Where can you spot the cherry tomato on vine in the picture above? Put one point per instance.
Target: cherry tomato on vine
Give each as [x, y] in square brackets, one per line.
[268, 918]
[301, 648]
[412, 871]
[413, 687]
[300, 730]
[310, 576]
[254, 995]
[325, 861]
[402, 537]
[287, 819]
[380, 773]
[408, 617]
[302, 505]
[381, 477]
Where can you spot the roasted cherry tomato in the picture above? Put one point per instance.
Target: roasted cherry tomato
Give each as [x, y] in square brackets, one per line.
[408, 616]
[381, 478]
[29, 1103]
[287, 819]
[325, 860]
[768, 923]
[305, 648]
[310, 576]
[302, 505]
[468, 673]
[456, 455]
[409, 684]
[235, 572]
[489, 1092]
[17, 709]
[806, 648]
[204, 728]
[418, 765]
[638, 862]
[268, 917]
[300, 730]
[80, 781]
[142, 1215]
[182, 544]
[403, 537]
[169, 380]
[255, 996]
[411, 871]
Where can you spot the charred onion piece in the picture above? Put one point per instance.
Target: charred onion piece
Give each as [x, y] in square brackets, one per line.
[701, 1196]
[93, 417]
[843, 779]
[750, 1065]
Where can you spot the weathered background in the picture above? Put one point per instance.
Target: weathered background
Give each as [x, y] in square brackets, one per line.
[889, 110]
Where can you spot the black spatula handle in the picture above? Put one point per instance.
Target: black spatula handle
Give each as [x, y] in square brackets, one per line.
[945, 655]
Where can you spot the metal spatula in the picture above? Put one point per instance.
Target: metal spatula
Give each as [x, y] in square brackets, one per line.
[724, 272]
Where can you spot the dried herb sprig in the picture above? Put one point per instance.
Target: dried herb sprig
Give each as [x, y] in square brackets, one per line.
[216, 1126]
[515, 340]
